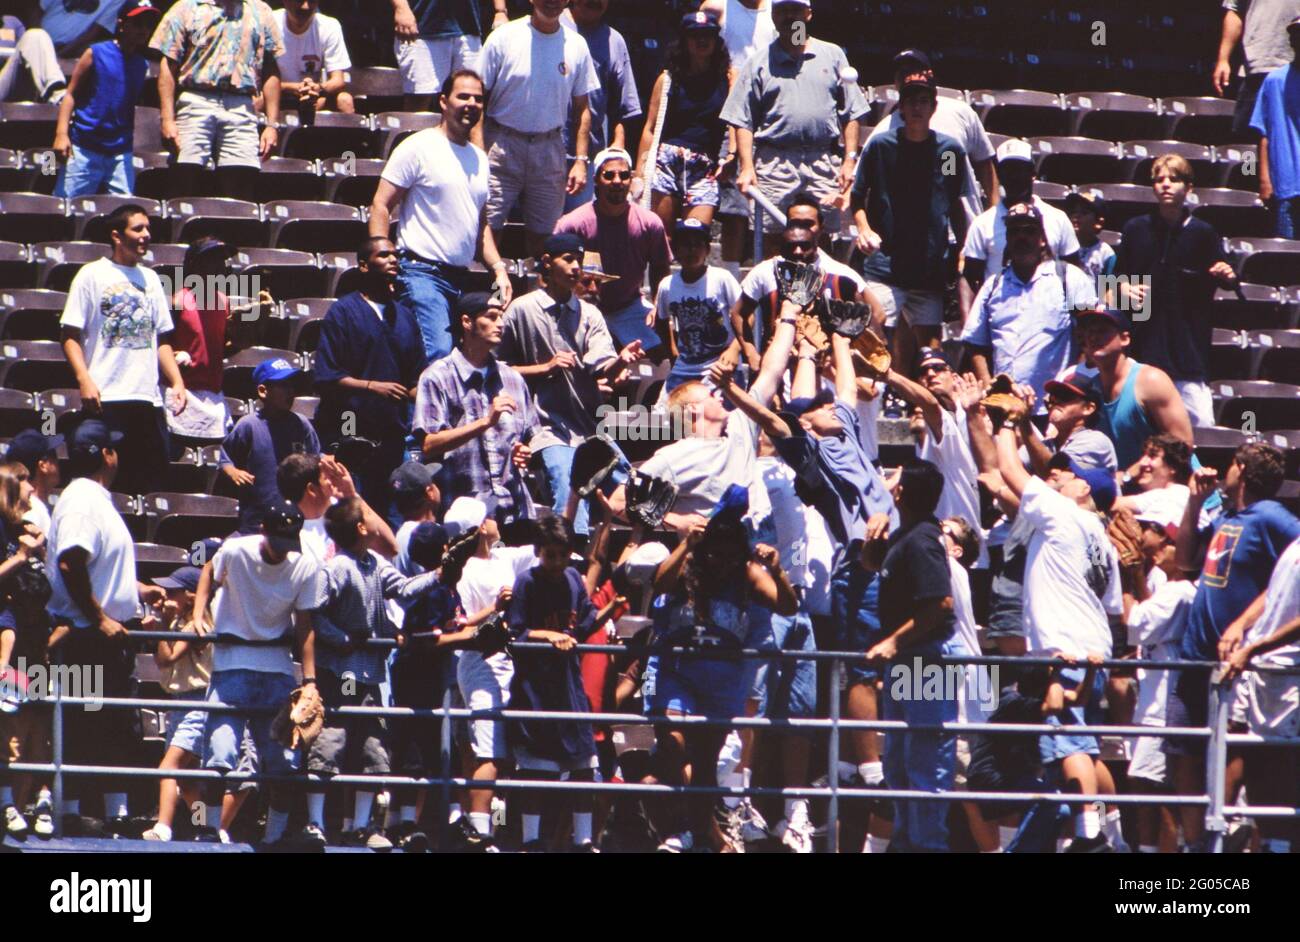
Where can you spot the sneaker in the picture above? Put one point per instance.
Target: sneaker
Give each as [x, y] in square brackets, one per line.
[1239, 837]
[586, 847]
[682, 843]
[409, 838]
[797, 833]
[15, 823]
[369, 838]
[43, 824]
[153, 834]
[469, 840]
[731, 823]
[1089, 845]
[311, 839]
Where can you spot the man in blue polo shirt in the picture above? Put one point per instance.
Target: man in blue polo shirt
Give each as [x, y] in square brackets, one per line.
[366, 369]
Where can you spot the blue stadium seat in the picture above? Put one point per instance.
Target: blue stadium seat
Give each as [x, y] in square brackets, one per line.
[1266, 261]
[289, 178]
[1232, 212]
[34, 365]
[1021, 112]
[1198, 120]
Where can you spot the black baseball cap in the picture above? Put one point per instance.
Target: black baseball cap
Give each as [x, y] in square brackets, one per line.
[282, 524]
[30, 446]
[931, 357]
[427, 543]
[1113, 314]
[700, 21]
[690, 226]
[473, 304]
[922, 82]
[1079, 383]
[1087, 201]
[913, 60]
[413, 477]
[1021, 214]
[562, 243]
[92, 436]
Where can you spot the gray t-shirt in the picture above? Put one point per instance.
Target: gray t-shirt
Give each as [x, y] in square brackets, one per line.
[1264, 36]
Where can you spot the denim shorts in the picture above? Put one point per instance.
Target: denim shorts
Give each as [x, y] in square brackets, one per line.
[685, 174]
[223, 732]
[855, 611]
[696, 686]
[185, 727]
[88, 172]
[783, 688]
[1054, 747]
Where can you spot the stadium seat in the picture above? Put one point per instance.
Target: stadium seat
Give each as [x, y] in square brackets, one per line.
[238, 408]
[1253, 405]
[376, 89]
[148, 129]
[289, 178]
[236, 221]
[344, 277]
[1114, 116]
[1232, 212]
[304, 333]
[1075, 160]
[34, 365]
[90, 215]
[280, 271]
[332, 135]
[59, 262]
[63, 404]
[237, 378]
[1201, 120]
[1138, 155]
[315, 227]
[282, 325]
[17, 412]
[1279, 354]
[1110, 237]
[152, 174]
[1216, 445]
[42, 167]
[14, 177]
[396, 126]
[1123, 201]
[1233, 355]
[1266, 261]
[883, 100]
[1288, 495]
[153, 561]
[30, 313]
[306, 406]
[185, 519]
[1289, 442]
[28, 123]
[35, 217]
[1254, 307]
[165, 255]
[1021, 112]
[351, 182]
[16, 267]
[189, 474]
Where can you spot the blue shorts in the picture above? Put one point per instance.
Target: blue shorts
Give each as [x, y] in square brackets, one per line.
[185, 727]
[696, 686]
[855, 611]
[223, 732]
[1054, 747]
[786, 687]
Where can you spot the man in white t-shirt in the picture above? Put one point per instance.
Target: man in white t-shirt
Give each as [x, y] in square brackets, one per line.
[1157, 481]
[38, 454]
[314, 65]
[95, 592]
[437, 182]
[266, 589]
[535, 71]
[1268, 634]
[116, 331]
[1072, 589]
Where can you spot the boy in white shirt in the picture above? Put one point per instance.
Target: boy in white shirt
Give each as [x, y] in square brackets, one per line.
[313, 67]
[696, 302]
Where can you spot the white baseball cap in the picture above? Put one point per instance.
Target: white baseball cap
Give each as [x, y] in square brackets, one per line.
[608, 154]
[464, 514]
[1015, 149]
[640, 567]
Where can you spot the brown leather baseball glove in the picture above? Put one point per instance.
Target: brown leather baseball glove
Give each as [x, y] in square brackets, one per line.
[874, 351]
[301, 719]
[1126, 536]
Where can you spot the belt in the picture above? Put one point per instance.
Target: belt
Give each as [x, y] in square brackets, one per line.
[830, 147]
[446, 266]
[526, 135]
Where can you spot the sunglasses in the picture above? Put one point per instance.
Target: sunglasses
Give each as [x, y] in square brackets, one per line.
[612, 175]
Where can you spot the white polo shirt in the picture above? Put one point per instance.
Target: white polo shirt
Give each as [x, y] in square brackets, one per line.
[532, 77]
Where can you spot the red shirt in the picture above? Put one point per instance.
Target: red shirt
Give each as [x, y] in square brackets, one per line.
[201, 334]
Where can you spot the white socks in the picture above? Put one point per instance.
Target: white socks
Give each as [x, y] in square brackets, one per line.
[482, 822]
[315, 810]
[361, 805]
[164, 831]
[1088, 822]
[276, 822]
[453, 812]
[875, 845]
[581, 828]
[532, 827]
[731, 780]
[115, 805]
[873, 773]
[1111, 828]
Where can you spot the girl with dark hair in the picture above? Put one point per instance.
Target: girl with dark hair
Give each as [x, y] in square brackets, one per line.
[685, 107]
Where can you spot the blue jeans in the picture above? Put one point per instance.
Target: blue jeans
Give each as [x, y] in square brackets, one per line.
[87, 173]
[558, 462]
[1288, 218]
[784, 688]
[429, 293]
[919, 760]
[224, 732]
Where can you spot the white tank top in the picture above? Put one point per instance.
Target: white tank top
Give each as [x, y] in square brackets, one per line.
[746, 31]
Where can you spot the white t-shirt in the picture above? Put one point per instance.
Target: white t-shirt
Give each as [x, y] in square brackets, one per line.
[1071, 576]
[822, 549]
[787, 517]
[986, 240]
[952, 456]
[38, 515]
[482, 580]
[746, 31]
[1171, 499]
[319, 51]
[700, 312]
[447, 188]
[315, 541]
[703, 468]
[970, 707]
[84, 516]
[120, 312]
[532, 77]
[761, 280]
[1281, 606]
[1157, 626]
[959, 121]
[257, 601]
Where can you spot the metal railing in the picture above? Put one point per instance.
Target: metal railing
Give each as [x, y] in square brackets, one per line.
[1216, 734]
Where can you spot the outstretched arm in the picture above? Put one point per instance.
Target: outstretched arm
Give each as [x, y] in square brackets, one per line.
[777, 357]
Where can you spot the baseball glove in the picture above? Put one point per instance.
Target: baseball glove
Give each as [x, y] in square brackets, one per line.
[593, 461]
[797, 282]
[811, 327]
[491, 635]
[1002, 403]
[649, 498]
[846, 318]
[301, 719]
[1126, 536]
[874, 351]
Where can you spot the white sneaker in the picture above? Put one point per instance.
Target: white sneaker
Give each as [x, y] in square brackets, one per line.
[797, 833]
[753, 827]
[15, 823]
[677, 843]
[731, 822]
[153, 834]
[44, 811]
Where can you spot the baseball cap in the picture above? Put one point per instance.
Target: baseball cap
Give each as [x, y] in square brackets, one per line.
[931, 357]
[1086, 201]
[914, 60]
[611, 153]
[282, 524]
[92, 436]
[793, 3]
[1117, 317]
[206, 244]
[802, 406]
[640, 567]
[30, 446]
[413, 477]
[1161, 515]
[1100, 481]
[277, 370]
[186, 577]
[1077, 383]
[464, 514]
[138, 8]
[562, 243]
[1015, 149]
[689, 225]
[701, 21]
[473, 303]
[427, 543]
[917, 81]
[1022, 214]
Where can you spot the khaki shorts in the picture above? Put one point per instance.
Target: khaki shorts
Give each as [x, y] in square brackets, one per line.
[1271, 703]
[919, 308]
[528, 166]
[426, 63]
[784, 173]
[217, 129]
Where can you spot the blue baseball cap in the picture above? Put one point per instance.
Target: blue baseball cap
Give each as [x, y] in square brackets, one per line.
[931, 357]
[186, 577]
[701, 21]
[1100, 481]
[1113, 314]
[29, 446]
[274, 371]
[690, 226]
[93, 436]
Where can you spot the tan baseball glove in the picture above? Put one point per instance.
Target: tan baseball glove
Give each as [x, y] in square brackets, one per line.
[301, 719]
[874, 351]
[1126, 536]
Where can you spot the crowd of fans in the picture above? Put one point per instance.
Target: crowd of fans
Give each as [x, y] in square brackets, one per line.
[444, 494]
